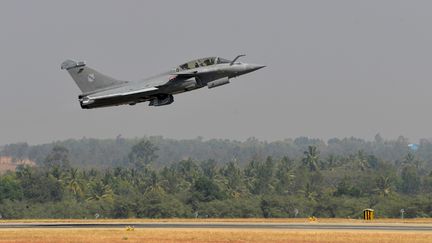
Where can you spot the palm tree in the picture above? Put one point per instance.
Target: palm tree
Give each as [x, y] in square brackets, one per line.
[410, 159]
[331, 161]
[309, 193]
[311, 157]
[384, 187]
[73, 181]
[361, 161]
[98, 191]
[153, 183]
[285, 175]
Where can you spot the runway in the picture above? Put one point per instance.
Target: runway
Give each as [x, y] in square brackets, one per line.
[267, 226]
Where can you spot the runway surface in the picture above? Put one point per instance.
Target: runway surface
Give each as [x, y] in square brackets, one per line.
[273, 226]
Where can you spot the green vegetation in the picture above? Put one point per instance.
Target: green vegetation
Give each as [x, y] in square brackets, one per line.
[162, 178]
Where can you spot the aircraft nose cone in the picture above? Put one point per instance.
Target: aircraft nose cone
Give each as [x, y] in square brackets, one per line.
[254, 67]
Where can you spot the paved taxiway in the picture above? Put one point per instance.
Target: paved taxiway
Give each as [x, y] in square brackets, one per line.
[274, 226]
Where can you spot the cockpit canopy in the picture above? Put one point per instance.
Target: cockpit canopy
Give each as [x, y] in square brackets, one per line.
[203, 62]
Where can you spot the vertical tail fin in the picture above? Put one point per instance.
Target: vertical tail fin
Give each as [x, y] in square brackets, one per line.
[88, 79]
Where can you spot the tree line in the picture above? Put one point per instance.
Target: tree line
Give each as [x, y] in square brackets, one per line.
[108, 153]
[310, 184]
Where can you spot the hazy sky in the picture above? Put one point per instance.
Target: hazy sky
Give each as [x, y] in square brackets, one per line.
[334, 68]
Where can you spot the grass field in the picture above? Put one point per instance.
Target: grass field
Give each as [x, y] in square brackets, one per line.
[99, 235]
[202, 235]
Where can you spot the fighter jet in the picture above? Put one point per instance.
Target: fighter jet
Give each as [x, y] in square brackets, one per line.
[99, 90]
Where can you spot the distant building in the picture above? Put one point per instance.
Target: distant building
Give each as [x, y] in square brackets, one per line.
[413, 146]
